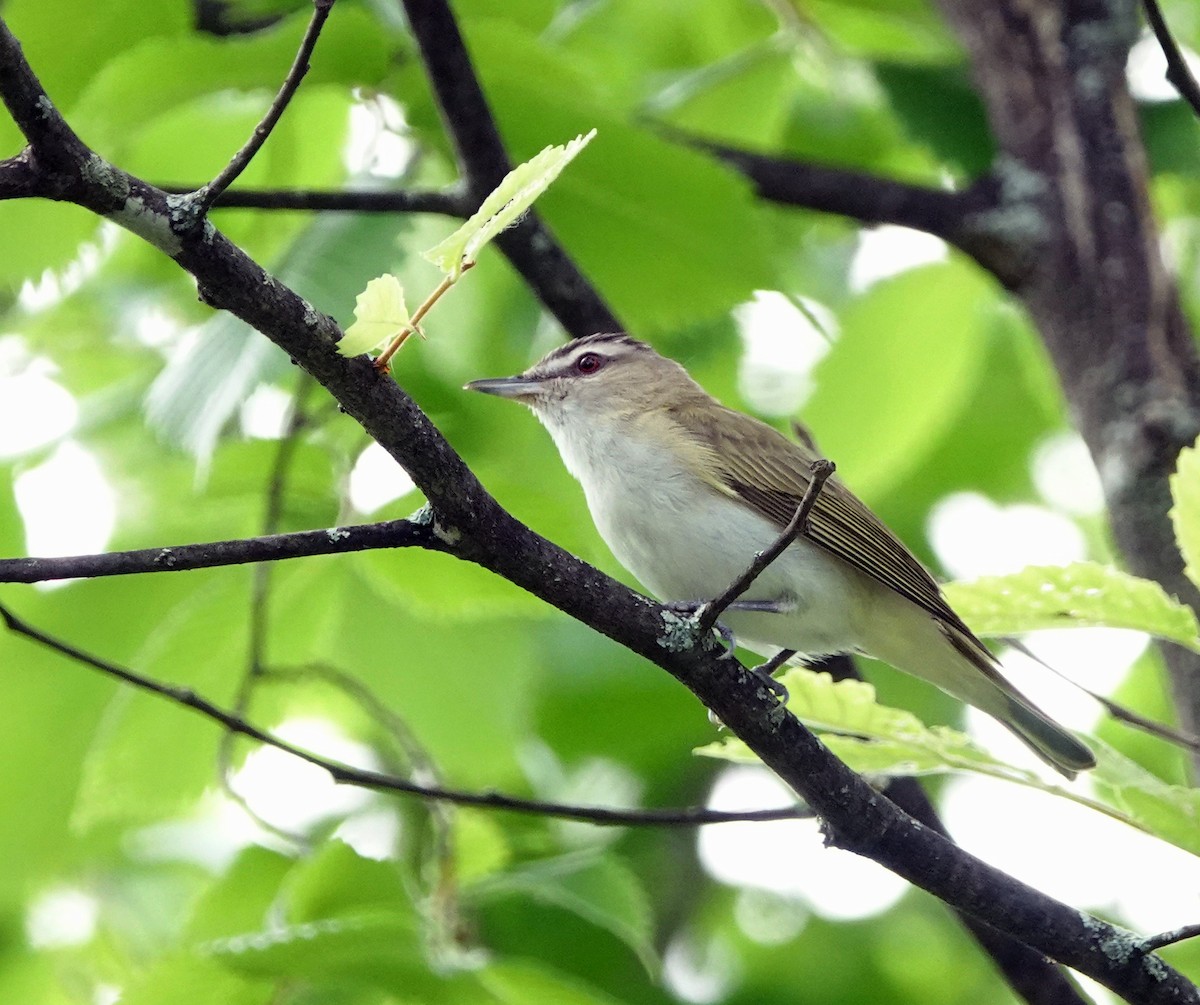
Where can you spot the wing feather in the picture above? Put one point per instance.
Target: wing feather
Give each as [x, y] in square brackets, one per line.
[771, 473]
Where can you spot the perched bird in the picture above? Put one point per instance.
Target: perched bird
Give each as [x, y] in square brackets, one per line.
[686, 491]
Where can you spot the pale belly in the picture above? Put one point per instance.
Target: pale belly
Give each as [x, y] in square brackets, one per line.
[684, 544]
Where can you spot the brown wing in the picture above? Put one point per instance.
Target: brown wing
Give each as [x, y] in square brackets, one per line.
[771, 473]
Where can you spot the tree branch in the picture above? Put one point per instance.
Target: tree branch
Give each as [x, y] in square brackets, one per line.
[1074, 178]
[203, 198]
[483, 161]
[958, 218]
[693, 816]
[411, 533]
[1178, 71]
[443, 202]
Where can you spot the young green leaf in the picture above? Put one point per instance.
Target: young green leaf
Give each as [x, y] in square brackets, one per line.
[1185, 514]
[380, 313]
[1072, 596]
[887, 742]
[504, 206]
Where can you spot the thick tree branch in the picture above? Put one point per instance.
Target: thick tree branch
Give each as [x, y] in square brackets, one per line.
[483, 161]
[470, 522]
[1074, 179]
[234, 723]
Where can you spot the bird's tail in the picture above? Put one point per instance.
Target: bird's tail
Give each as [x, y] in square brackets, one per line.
[1046, 738]
[991, 692]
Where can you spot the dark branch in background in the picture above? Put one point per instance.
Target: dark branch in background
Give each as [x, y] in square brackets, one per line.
[475, 528]
[380, 782]
[484, 161]
[1178, 71]
[958, 218]
[448, 202]
[202, 200]
[272, 548]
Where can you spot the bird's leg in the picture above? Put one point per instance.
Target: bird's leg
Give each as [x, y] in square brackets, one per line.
[765, 673]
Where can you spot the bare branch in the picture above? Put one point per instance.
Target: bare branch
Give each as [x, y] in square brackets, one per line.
[1178, 71]
[202, 200]
[240, 551]
[1152, 943]
[959, 218]
[379, 781]
[445, 202]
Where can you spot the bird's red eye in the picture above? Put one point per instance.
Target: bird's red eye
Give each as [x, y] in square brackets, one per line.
[589, 362]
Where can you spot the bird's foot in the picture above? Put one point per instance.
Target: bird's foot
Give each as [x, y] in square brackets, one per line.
[765, 673]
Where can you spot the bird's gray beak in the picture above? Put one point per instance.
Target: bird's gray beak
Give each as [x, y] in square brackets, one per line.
[507, 387]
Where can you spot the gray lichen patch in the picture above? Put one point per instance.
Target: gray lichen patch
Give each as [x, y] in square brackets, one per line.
[680, 633]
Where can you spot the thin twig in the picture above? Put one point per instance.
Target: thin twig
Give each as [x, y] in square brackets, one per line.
[239, 551]
[1153, 943]
[382, 782]
[285, 451]
[204, 197]
[1118, 711]
[821, 470]
[1178, 71]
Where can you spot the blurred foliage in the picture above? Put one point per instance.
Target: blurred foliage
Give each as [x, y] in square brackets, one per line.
[128, 871]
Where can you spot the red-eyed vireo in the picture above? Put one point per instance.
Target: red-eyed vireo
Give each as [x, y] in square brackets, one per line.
[685, 491]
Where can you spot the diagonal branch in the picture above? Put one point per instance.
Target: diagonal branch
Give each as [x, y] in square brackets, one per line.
[821, 470]
[381, 782]
[1178, 71]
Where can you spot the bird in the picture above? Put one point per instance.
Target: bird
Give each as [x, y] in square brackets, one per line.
[686, 491]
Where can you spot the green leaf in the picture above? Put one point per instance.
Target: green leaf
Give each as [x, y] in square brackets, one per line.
[200, 389]
[915, 366]
[240, 900]
[613, 214]
[1078, 595]
[126, 777]
[144, 81]
[197, 981]
[504, 205]
[1185, 513]
[380, 313]
[886, 742]
[601, 890]
[519, 983]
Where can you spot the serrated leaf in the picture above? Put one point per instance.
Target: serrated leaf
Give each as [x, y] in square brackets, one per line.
[878, 741]
[1185, 514]
[1083, 594]
[380, 313]
[504, 206]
